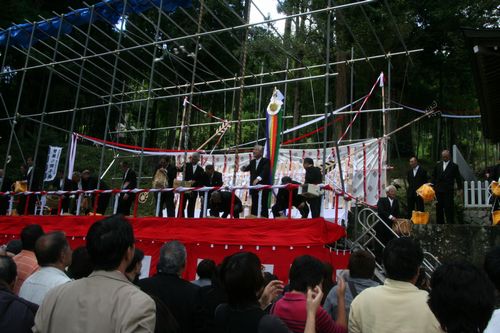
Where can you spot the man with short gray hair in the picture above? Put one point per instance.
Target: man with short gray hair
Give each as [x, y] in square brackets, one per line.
[181, 296]
[260, 174]
[388, 211]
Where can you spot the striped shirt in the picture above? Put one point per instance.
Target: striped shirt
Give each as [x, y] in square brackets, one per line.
[291, 309]
[26, 265]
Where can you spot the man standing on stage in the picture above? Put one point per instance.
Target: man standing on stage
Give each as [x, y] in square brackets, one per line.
[416, 177]
[260, 174]
[195, 173]
[129, 182]
[313, 176]
[445, 174]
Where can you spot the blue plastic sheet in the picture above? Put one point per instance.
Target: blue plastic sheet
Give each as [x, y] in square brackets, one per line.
[109, 11]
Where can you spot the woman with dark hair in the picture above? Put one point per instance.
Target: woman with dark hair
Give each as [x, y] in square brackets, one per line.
[242, 279]
[462, 298]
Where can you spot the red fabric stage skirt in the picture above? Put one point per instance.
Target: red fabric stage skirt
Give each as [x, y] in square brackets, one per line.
[276, 241]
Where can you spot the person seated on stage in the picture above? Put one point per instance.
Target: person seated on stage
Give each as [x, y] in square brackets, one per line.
[220, 202]
[163, 177]
[89, 182]
[283, 197]
[388, 211]
[192, 171]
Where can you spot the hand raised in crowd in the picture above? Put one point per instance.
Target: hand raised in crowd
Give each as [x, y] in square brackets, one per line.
[270, 293]
[341, 313]
[314, 297]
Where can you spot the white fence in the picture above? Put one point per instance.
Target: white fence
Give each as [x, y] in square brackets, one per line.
[477, 194]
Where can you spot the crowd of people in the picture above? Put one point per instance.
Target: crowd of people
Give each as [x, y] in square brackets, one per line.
[47, 287]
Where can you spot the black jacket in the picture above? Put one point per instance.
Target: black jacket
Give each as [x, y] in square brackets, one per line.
[384, 209]
[225, 206]
[263, 171]
[130, 177]
[443, 180]
[414, 182]
[181, 297]
[198, 176]
[313, 176]
[283, 196]
[17, 315]
[215, 180]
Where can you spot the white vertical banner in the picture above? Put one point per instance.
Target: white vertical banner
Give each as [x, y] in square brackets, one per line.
[52, 163]
[72, 155]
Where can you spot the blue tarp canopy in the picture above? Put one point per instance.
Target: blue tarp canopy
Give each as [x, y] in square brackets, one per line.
[108, 10]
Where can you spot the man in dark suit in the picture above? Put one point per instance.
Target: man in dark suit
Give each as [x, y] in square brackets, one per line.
[129, 182]
[169, 170]
[260, 174]
[89, 182]
[313, 176]
[212, 178]
[388, 211]
[282, 199]
[445, 174]
[61, 183]
[416, 177]
[220, 202]
[182, 297]
[195, 173]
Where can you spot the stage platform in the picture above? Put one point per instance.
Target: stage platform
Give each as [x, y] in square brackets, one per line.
[276, 241]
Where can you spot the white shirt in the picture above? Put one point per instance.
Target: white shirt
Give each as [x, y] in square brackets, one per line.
[194, 168]
[415, 170]
[38, 284]
[494, 324]
[445, 164]
[391, 202]
[257, 161]
[395, 306]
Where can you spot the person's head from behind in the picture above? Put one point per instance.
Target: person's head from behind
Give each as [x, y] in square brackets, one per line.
[307, 163]
[206, 269]
[29, 236]
[209, 169]
[402, 259]
[286, 180]
[8, 272]
[492, 266]
[133, 271]
[52, 249]
[81, 266]
[241, 277]
[462, 298]
[361, 265]
[172, 258]
[216, 197]
[306, 272]
[110, 243]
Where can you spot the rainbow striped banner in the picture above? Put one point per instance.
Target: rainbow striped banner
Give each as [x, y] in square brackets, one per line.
[273, 128]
